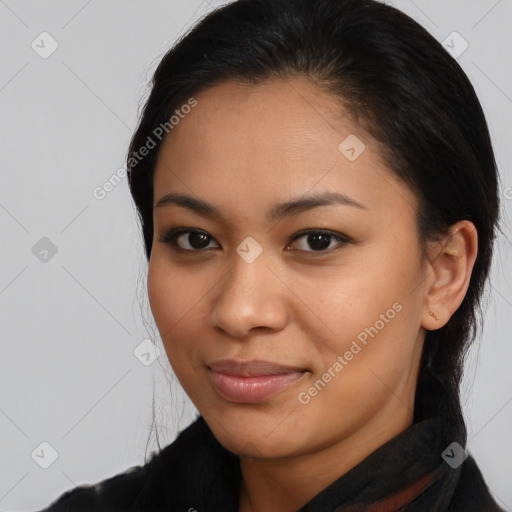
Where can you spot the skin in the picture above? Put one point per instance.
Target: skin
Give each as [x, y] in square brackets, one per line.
[245, 148]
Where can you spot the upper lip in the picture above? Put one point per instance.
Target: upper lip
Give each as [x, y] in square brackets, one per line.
[252, 368]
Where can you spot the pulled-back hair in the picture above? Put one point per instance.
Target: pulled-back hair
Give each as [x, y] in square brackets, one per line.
[401, 86]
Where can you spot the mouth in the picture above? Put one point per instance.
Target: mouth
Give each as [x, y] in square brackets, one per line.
[251, 381]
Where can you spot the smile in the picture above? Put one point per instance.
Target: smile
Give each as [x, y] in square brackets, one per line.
[252, 381]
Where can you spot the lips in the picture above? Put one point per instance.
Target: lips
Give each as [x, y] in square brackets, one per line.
[251, 381]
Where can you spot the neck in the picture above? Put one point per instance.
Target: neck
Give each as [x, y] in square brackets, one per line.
[286, 484]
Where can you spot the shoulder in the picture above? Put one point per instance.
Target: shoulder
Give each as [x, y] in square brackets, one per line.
[471, 492]
[123, 491]
[115, 494]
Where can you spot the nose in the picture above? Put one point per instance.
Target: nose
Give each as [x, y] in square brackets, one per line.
[250, 297]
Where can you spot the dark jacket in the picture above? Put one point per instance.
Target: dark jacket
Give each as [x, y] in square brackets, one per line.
[197, 474]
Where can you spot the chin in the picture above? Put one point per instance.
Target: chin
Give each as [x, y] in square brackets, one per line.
[257, 446]
[256, 435]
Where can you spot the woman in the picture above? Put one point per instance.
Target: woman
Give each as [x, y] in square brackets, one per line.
[318, 198]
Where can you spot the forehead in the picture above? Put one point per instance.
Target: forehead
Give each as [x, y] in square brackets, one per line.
[285, 117]
[271, 141]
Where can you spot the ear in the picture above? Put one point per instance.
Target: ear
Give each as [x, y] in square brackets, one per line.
[448, 273]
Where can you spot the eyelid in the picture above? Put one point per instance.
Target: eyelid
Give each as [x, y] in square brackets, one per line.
[171, 234]
[341, 238]
[321, 231]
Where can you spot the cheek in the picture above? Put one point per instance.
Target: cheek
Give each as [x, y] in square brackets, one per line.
[176, 305]
[170, 301]
[367, 364]
[375, 307]
[162, 294]
[171, 293]
[177, 302]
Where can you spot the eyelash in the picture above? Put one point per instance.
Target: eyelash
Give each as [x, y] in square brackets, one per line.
[170, 236]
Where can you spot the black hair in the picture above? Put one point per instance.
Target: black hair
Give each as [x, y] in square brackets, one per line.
[402, 87]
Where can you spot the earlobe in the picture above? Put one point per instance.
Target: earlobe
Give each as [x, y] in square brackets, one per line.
[452, 265]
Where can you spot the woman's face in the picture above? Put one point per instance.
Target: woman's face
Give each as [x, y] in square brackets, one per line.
[336, 321]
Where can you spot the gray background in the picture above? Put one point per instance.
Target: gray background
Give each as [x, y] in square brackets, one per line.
[71, 321]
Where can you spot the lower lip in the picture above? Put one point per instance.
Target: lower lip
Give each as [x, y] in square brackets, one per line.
[251, 389]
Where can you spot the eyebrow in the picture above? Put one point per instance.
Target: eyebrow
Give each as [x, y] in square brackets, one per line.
[277, 212]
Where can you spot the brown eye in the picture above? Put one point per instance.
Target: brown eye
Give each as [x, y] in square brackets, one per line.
[187, 239]
[319, 241]
[194, 239]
